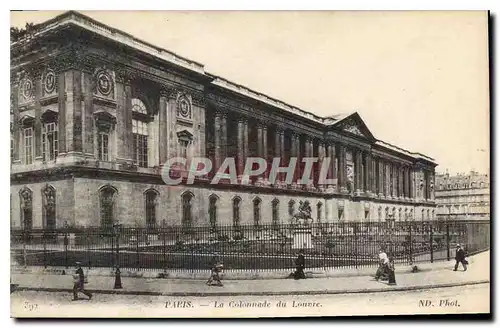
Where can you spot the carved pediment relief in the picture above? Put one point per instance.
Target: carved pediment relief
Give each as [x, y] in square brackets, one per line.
[185, 135]
[352, 126]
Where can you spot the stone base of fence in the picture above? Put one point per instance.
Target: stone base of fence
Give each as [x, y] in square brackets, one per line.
[232, 274]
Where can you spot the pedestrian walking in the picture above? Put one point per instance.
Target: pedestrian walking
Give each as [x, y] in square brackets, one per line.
[382, 270]
[300, 264]
[79, 281]
[460, 258]
[215, 269]
[391, 271]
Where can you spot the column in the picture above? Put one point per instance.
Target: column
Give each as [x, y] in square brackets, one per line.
[163, 128]
[331, 167]
[295, 153]
[412, 183]
[241, 148]
[388, 191]
[16, 131]
[321, 157]
[380, 177]
[264, 152]
[368, 175]
[341, 169]
[223, 142]
[260, 151]
[217, 132]
[123, 116]
[279, 150]
[38, 118]
[357, 172]
[401, 182]
[245, 139]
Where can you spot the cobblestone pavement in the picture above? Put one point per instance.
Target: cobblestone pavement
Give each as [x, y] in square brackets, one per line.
[464, 299]
[478, 271]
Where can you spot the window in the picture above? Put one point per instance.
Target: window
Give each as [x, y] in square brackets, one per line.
[236, 212]
[103, 146]
[49, 207]
[319, 210]
[256, 212]
[26, 199]
[140, 132]
[151, 197]
[212, 211]
[187, 219]
[28, 145]
[275, 213]
[107, 201]
[49, 141]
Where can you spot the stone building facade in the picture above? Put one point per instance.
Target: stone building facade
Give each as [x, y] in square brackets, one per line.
[95, 113]
[464, 196]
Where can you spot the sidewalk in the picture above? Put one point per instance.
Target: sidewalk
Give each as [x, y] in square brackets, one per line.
[440, 277]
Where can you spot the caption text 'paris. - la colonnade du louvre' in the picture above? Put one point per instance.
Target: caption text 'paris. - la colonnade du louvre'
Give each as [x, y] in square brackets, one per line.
[95, 113]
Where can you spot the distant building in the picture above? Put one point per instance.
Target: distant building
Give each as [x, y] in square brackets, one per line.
[463, 196]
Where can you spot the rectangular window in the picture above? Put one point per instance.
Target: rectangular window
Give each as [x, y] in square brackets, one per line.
[103, 146]
[49, 141]
[28, 145]
[140, 133]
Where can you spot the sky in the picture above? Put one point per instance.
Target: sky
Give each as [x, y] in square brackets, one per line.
[418, 79]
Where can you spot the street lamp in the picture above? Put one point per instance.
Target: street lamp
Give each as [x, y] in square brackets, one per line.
[118, 281]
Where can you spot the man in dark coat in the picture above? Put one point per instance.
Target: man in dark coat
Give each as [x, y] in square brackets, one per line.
[79, 283]
[300, 264]
[460, 258]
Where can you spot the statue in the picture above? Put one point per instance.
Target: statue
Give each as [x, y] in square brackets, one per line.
[303, 217]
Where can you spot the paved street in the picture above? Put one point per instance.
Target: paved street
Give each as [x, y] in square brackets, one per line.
[474, 298]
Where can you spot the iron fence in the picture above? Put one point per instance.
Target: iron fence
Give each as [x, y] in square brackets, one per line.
[249, 247]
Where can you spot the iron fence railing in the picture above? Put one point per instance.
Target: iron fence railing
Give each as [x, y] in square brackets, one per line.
[249, 247]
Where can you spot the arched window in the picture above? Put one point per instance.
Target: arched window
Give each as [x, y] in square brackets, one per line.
[319, 211]
[151, 197]
[49, 207]
[380, 213]
[400, 214]
[212, 211]
[107, 201]
[236, 213]
[26, 199]
[275, 212]
[256, 211]
[291, 208]
[423, 215]
[140, 121]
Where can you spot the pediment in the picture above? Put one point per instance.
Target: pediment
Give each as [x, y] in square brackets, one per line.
[185, 135]
[353, 124]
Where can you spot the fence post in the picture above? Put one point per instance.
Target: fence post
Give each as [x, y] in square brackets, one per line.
[410, 250]
[448, 241]
[137, 248]
[25, 240]
[164, 249]
[44, 233]
[431, 230]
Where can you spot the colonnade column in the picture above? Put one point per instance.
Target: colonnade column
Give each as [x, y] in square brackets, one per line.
[241, 148]
[380, 177]
[223, 123]
[332, 166]
[218, 141]
[295, 153]
[357, 172]
[368, 172]
[342, 169]
[319, 166]
[280, 150]
[264, 152]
